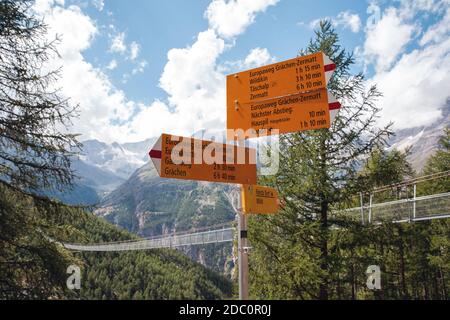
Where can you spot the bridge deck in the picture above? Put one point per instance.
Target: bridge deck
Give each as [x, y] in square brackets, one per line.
[435, 206]
[172, 241]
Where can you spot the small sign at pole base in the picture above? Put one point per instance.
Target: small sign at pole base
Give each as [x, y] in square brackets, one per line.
[259, 199]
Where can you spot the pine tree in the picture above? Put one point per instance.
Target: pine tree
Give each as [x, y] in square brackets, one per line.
[318, 173]
[438, 162]
[384, 167]
[35, 155]
[439, 253]
[35, 149]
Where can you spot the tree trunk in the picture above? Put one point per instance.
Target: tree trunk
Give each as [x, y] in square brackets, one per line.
[444, 288]
[323, 294]
[352, 273]
[323, 290]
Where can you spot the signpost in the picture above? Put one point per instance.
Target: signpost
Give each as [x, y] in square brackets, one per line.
[289, 96]
[193, 159]
[292, 113]
[259, 199]
[254, 199]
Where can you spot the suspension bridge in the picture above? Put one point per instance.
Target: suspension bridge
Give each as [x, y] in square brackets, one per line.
[166, 241]
[408, 209]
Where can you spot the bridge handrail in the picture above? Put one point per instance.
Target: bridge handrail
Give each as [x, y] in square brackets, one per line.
[174, 241]
[406, 200]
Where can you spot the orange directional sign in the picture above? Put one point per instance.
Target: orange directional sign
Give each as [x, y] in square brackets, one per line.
[289, 96]
[297, 112]
[300, 74]
[259, 199]
[194, 159]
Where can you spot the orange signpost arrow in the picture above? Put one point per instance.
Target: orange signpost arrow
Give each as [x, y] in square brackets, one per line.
[300, 74]
[297, 112]
[288, 96]
[194, 159]
[259, 199]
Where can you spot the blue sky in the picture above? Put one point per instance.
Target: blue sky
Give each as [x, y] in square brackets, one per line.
[159, 26]
[138, 68]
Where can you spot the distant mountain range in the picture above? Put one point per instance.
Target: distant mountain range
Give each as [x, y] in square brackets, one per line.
[120, 160]
[102, 167]
[105, 171]
[149, 205]
[422, 140]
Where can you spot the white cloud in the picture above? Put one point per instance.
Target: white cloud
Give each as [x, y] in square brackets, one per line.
[194, 82]
[134, 50]
[112, 65]
[102, 107]
[118, 43]
[437, 32]
[152, 121]
[344, 19]
[255, 58]
[413, 83]
[41, 6]
[387, 39]
[350, 20]
[195, 87]
[191, 78]
[140, 67]
[191, 70]
[99, 4]
[231, 18]
[409, 8]
[258, 57]
[414, 90]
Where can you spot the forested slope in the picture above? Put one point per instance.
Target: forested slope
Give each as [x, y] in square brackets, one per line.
[39, 265]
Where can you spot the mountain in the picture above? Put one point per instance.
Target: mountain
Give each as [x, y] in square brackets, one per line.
[149, 205]
[79, 194]
[100, 180]
[422, 140]
[121, 160]
[100, 168]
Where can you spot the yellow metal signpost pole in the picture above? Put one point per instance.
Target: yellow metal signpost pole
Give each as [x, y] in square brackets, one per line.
[243, 254]
[242, 243]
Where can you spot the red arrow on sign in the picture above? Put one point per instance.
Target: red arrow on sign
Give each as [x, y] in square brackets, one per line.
[333, 106]
[329, 67]
[156, 155]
